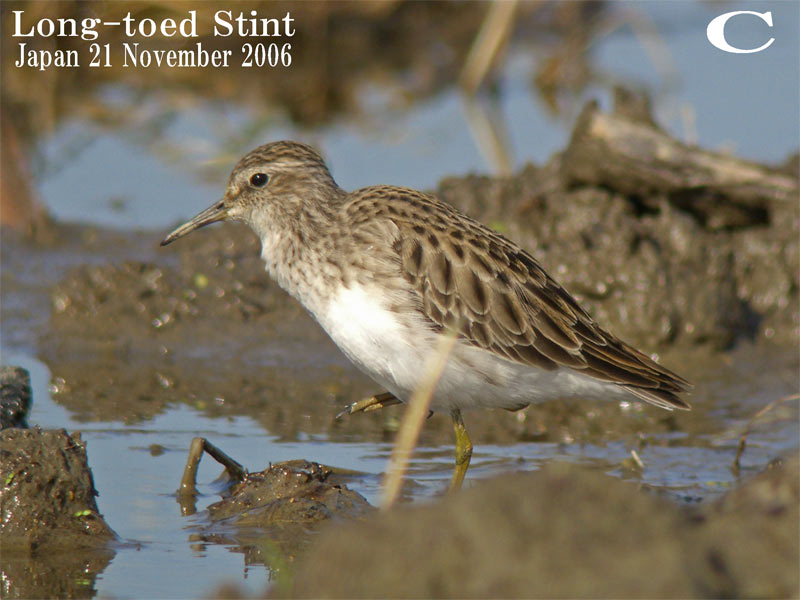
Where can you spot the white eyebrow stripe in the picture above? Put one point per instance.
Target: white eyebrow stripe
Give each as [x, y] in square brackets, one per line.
[291, 164]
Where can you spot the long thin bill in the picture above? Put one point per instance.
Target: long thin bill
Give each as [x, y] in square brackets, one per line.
[212, 214]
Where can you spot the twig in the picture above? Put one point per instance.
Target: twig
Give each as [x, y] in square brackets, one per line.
[199, 445]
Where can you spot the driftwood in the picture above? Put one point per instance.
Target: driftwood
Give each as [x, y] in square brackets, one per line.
[631, 155]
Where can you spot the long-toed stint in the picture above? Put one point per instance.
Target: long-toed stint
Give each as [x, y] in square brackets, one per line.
[387, 271]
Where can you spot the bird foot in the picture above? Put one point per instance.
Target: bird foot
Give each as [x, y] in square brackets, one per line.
[372, 403]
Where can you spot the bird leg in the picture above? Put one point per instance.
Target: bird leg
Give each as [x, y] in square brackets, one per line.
[463, 451]
[372, 403]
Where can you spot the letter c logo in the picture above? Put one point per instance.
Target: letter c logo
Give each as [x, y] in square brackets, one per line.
[716, 31]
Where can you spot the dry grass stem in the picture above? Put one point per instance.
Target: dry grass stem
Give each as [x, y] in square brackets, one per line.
[493, 35]
[413, 420]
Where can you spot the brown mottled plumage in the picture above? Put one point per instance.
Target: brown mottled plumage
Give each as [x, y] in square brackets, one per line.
[386, 270]
[498, 298]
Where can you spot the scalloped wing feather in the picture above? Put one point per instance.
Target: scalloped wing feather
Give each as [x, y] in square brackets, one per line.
[497, 297]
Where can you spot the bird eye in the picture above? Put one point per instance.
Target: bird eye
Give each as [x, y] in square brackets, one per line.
[259, 180]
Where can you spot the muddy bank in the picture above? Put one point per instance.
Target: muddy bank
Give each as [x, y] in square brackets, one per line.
[565, 532]
[48, 497]
[55, 541]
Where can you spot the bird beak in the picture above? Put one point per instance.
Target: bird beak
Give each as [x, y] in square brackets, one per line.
[217, 212]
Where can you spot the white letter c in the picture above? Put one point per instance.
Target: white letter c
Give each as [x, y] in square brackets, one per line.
[716, 31]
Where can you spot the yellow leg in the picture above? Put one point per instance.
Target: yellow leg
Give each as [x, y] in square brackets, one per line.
[463, 451]
[372, 403]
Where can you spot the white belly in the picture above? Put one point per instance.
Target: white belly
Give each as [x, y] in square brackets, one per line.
[395, 353]
[387, 349]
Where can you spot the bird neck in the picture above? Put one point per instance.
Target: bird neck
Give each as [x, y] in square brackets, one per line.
[301, 255]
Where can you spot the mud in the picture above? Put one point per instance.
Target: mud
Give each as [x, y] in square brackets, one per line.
[50, 520]
[48, 493]
[271, 515]
[15, 397]
[563, 532]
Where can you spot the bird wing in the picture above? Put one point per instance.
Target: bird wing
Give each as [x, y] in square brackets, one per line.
[497, 297]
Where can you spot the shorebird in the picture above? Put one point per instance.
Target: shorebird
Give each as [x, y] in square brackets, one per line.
[386, 271]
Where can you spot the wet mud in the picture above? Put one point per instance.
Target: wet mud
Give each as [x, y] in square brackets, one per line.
[54, 538]
[563, 532]
[271, 515]
[15, 397]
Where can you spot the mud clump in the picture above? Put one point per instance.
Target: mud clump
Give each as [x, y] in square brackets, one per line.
[748, 539]
[270, 515]
[54, 538]
[566, 532]
[48, 494]
[15, 397]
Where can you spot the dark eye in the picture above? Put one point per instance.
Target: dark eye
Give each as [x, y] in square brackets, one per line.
[259, 180]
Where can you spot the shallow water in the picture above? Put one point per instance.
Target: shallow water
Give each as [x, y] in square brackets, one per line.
[137, 450]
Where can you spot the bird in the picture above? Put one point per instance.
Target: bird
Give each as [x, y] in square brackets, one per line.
[387, 271]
